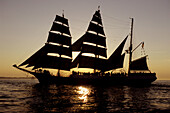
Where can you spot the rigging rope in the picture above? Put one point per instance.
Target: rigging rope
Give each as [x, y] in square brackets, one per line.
[28, 51]
[113, 18]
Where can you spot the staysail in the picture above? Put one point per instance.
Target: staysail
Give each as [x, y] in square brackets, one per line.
[56, 53]
[93, 42]
[116, 60]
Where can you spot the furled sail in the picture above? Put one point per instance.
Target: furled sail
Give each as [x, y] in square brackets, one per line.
[139, 64]
[116, 60]
[93, 42]
[58, 42]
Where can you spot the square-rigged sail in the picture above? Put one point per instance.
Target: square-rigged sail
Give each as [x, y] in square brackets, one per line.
[92, 42]
[58, 43]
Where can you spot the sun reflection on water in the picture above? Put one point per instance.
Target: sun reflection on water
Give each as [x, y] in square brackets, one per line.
[83, 92]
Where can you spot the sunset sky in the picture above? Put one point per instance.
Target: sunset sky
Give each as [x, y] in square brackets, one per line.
[24, 27]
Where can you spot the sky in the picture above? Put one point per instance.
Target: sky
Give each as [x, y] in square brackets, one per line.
[24, 27]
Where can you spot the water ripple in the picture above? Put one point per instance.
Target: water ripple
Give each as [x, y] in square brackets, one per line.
[28, 96]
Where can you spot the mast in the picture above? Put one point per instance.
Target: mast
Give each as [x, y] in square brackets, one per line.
[92, 42]
[58, 43]
[61, 46]
[130, 48]
[96, 56]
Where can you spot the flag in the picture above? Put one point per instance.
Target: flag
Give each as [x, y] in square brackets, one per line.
[63, 14]
[143, 45]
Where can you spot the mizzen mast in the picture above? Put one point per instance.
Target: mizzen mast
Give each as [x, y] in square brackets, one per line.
[130, 48]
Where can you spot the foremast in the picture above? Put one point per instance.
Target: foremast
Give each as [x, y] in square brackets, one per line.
[61, 43]
[56, 53]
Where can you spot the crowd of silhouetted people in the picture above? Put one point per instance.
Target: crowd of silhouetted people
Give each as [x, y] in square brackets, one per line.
[108, 74]
[74, 73]
[42, 71]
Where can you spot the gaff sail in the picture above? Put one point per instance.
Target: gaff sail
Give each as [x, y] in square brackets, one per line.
[139, 64]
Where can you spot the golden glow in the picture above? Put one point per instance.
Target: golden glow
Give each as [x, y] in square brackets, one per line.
[27, 35]
[83, 92]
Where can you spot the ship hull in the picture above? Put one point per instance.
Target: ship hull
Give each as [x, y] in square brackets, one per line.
[87, 79]
[131, 79]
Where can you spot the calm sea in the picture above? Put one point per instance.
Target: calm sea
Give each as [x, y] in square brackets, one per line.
[26, 95]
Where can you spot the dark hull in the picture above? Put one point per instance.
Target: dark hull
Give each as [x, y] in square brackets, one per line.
[132, 79]
[115, 79]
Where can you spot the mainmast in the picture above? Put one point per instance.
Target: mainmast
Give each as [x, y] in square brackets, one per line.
[92, 42]
[130, 48]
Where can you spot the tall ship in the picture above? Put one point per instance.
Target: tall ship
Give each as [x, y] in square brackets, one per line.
[57, 52]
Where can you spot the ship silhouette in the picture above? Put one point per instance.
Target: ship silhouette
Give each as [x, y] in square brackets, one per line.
[57, 54]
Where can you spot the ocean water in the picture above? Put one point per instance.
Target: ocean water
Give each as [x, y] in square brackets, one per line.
[27, 95]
